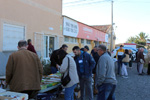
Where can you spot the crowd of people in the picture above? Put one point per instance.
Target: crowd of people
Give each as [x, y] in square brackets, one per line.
[24, 70]
[81, 68]
[125, 58]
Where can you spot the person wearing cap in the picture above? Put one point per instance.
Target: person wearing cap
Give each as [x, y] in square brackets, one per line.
[119, 56]
[55, 62]
[86, 48]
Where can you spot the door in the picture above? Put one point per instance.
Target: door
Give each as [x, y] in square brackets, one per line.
[49, 46]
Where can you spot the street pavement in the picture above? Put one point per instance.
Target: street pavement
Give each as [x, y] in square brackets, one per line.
[133, 88]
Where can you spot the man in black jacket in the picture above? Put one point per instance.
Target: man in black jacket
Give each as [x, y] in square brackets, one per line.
[55, 58]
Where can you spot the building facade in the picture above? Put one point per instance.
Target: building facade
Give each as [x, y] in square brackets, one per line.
[38, 20]
[107, 29]
[79, 34]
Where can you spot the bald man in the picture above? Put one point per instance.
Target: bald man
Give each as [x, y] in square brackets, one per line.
[24, 71]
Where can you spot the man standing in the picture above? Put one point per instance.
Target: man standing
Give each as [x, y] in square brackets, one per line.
[105, 75]
[24, 71]
[140, 61]
[119, 56]
[30, 46]
[96, 58]
[85, 65]
[55, 59]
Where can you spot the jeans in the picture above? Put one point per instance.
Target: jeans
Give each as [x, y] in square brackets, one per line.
[106, 92]
[86, 83]
[140, 67]
[124, 70]
[69, 92]
[119, 65]
[53, 70]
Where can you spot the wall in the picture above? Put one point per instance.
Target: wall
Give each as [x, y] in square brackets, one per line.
[38, 16]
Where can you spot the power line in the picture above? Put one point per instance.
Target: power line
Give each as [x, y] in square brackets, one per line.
[75, 2]
[87, 3]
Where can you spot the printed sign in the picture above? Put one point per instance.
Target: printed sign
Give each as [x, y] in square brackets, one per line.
[76, 29]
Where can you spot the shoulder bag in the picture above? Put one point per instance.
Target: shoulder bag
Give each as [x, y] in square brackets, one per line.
[65, 80]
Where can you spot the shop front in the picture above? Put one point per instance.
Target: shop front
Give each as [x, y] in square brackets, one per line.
[82, 34]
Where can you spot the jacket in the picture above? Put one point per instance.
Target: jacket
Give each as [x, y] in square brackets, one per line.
[119, 53]
[31, 48]
[88, 64]
[105, 71]
[96, 58]
[140, 56]
[54, 58]
[24, 71]
[72, 70]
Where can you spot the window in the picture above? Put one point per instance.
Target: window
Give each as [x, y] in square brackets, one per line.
[49, 46]
[76, 40]
[72, 40]
[88, 41]
[82, 41]
[66, 39]
[11, 35]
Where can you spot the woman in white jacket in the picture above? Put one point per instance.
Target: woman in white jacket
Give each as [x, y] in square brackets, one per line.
[69, 88]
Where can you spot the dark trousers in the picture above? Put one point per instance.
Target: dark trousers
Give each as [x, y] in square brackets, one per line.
[137, 67]
[119, 65]
[32, 93]
[148, 70]
[130, 64]
[106, 92]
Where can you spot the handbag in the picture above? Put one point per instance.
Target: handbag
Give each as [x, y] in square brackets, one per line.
[126, 59]
[65, 80]
[141, 61]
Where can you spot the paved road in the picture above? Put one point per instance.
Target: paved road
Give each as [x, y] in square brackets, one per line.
[135, 87]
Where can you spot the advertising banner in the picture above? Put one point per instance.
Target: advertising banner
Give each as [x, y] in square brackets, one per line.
[76, 29]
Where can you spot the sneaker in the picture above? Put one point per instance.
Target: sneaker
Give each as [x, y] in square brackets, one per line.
[125, 76]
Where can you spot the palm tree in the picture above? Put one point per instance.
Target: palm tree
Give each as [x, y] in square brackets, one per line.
[142, 37]
[131, 40]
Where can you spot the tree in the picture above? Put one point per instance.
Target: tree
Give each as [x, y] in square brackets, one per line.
[139, 39]
[142, 37]
[131, 40]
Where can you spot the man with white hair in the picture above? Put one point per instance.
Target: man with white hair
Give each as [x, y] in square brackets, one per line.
[140, 61]
[105, 75]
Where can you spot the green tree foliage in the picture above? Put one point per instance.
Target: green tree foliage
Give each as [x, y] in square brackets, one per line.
[139, 39]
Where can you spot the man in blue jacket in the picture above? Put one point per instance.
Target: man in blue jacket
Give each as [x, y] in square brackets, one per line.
[85, 64]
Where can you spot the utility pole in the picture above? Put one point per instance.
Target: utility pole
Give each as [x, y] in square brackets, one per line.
[112, 30]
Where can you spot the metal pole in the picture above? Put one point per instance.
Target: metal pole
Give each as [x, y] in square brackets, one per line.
[112, 25]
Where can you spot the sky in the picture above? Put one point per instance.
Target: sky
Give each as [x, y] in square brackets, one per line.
[130, 16]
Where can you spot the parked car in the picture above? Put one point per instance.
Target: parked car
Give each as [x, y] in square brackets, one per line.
[113, 53]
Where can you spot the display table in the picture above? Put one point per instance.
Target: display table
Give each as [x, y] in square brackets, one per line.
[50, 82]
[49, 89]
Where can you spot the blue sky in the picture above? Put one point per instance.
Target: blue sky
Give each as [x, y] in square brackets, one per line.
[130, 16]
